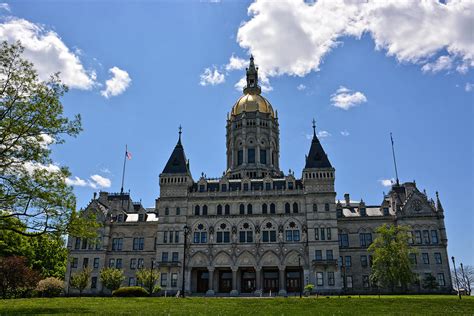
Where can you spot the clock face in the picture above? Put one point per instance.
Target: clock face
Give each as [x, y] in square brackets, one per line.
[417, 205]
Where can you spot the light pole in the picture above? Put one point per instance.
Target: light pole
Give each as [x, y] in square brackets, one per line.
[456, 275]
[466, 280]
[301, 279]
[185, 228]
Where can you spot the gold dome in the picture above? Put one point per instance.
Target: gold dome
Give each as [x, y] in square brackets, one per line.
[252, 103]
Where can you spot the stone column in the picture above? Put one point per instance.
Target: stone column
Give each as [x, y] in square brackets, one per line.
[258, 278]
[187, 275]
[234, 291]
[210, 290]
[281, 282]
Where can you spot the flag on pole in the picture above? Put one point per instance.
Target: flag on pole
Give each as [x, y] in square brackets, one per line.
[128, 155]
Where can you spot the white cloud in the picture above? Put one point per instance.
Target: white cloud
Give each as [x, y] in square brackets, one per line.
[45, 49]
[345, 98]
[442, 63]
[345, 133]
[5, 6]
[387, 182]
[105, 170]
[469, 87]
[292, 37]
[76, 181]
[117, 84]
[211, 77]
[301, 87]
[323, 134]
[235, 63]
[30, 167]
[99, 182]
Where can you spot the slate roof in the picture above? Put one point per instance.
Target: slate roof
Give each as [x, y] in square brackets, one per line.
[317, 157]
[177, 162]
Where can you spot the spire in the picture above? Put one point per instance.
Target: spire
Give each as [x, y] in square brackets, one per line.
[252, 86]
[317, 157]
[439, 207]
[177, 163]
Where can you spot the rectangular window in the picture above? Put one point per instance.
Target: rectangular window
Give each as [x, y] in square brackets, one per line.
[365, 281]
[331, 280]
[165, 237]
[111, 263]
[413, 258]
[98, 243]
[318, 255]
[171, 234]
[418, 236]
[365, 239]
[96, 263]
[329, 255]
[176, 236]
[203, 237]
[118, 263]
[164, 257]
[273, 235]
[196, 238]
[319, 279]
[242, 236]
[174, 256]
[164, 279]
[434, 237]
[84, 244]
[385, 211]
[219, 237]
[441, 281]
[93, 282]
[410, 238]
[240, 157]
[251, 155]
[323, 235]
[289, 235]
[349, 281]
[326, 207]
[265, 236]
[131, 281]
[348, 261]
[437, 256]
[138, 243]
[174, 279]
[117, 244]
[78, 243]
[133, 264]
[363, 261]
[316, 234]
[328, 233]
[141, 263]
[426, 237]
[363, 212]
[224, 187]
[226, 237]
[74, 263]
[268, 186]
[263, 156]
[343, 240]
[426, 258]
[141, 217]
[296, 235]
[85, 262]
[249, 236]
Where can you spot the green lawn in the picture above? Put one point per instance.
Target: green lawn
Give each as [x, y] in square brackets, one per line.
[401, 305]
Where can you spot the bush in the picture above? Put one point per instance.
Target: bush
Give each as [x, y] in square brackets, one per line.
[309, 288]
[50, 287]
[130, 291]
[111, 278]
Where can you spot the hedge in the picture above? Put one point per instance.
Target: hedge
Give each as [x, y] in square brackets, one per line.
[130, 291]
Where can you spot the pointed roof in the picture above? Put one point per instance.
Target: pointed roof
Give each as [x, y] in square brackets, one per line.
[317, 157]
[177, 162]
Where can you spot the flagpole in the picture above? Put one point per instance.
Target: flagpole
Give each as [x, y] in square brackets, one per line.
[123, 171]
[394, 160]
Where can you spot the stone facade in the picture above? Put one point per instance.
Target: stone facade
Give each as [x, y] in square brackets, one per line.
[256, 230]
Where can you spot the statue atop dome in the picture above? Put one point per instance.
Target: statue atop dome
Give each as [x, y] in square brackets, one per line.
[252, 86]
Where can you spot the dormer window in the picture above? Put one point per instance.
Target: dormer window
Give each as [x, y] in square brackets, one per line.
[120, 218]
[385, 211]
[224, 187]
[246, 186]
[202, 188]
[141, 217]
[290, 185]
[268, 186]
[363, 212]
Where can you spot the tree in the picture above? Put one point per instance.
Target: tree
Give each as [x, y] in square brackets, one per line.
[149, 278]
[391, 264]
[15, 275]
[430, 283]
[50, 287]
[80, 280]
[33, 189]
[111, 278]
[466, 279]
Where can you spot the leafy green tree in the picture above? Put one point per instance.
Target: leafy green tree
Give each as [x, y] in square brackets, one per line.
[32, 188]
[149, 279]
[80, 280]
[391, 264]
[111, 278]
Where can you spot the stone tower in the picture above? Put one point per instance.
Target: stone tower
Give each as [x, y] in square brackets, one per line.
[253, 134]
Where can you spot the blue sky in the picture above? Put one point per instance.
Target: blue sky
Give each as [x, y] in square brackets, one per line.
[360, 81]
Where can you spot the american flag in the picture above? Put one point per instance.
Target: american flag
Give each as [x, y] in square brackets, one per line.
[128, 155]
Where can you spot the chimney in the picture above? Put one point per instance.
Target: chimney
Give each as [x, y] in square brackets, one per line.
[348, 199]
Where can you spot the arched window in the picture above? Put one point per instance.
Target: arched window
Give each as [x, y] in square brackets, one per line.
[223, 233]
[272, 208]
[242, 209]
[196, 210]
[287, 208]
[204, 210]
[227, 209]
[200, 234]
[219, 209]
[245, 233]
[249, 208]
[292, 232]
[295, 207]
[269, 233]
[264, 208]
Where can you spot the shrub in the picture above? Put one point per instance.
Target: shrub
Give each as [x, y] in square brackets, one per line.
[80, 280]
[50, 287]
[111, 278]
[130, 291]
[309, 287]
[16, 278]
[149, 277]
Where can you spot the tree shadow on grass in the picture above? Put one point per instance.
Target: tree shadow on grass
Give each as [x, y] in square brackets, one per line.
[46, 310]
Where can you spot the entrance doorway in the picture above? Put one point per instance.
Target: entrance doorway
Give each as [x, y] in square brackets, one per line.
[225, 281]
[270, 280]
[248, 280]
[293, 281]
[202, 281]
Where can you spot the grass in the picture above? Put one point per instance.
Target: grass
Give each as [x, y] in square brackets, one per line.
[365, 305]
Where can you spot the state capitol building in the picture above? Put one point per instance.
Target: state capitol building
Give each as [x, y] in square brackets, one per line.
[256, 229]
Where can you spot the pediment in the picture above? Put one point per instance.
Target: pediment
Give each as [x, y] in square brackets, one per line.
[417, 205]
